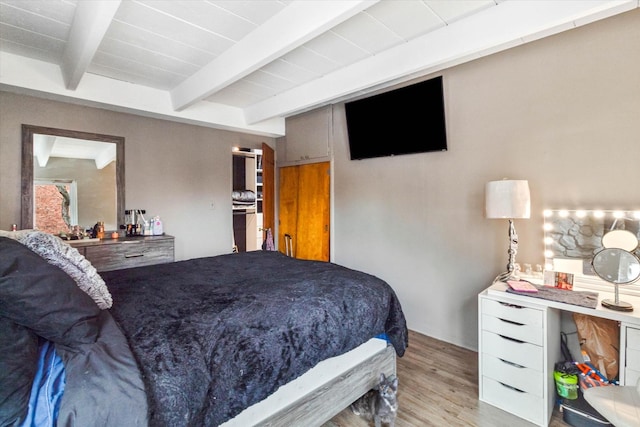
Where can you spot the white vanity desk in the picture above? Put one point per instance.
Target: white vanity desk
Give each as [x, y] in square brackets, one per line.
[519, 344]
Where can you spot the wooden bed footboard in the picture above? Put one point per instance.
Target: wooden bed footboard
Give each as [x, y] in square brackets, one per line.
[323, 403]
[323, 392]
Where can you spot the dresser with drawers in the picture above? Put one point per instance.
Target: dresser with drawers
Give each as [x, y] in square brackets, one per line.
[127, 252]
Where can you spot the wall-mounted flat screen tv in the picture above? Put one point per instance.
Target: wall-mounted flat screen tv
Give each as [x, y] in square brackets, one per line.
[407, 120]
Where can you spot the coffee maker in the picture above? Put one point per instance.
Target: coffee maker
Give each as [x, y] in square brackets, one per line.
[135, 221]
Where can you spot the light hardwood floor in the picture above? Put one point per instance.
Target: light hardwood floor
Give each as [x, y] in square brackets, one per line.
[438, 386]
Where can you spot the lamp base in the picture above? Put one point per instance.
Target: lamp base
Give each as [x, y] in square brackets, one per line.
[618, 306]
[503, 277]
[511, 273]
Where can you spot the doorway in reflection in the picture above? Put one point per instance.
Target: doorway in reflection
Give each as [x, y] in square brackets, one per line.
[55, 206]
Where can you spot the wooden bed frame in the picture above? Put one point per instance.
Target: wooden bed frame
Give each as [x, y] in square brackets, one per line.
[297, 404]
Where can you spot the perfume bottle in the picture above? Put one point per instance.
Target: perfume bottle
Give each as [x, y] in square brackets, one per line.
[100, 230]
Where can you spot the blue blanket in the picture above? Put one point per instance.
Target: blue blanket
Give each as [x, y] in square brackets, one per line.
[48, 388]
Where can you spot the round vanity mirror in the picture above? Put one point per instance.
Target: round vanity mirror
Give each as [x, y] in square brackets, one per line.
[618, 267]
[621, 239]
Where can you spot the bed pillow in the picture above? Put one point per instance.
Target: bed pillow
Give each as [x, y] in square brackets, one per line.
[42, 297]
[18, 366]
[62, 255]
[16, 235]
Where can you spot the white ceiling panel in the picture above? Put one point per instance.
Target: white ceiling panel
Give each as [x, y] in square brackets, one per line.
[289, 71]
[251, 87]
[30, 40]
[235, 96]
[451, 11]
[337, 49]
[36, 24]
[255, 11]
[311, 61]
[206, 16]
[137, 68]
[130, 76]
[165, 45]
[158, 23]
[270, 80]
[61, 11]
[242, 91]
[146, 57]
[368, 33]
[248, 64]
[52, 55]
[406, 18]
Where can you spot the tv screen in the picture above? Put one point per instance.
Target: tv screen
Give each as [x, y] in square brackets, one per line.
[407, 120]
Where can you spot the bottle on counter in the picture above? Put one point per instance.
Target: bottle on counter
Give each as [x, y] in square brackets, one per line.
[147, 227]
[157, 226]
[100, 230]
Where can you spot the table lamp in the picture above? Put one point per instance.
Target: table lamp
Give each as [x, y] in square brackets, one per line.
[508, 199]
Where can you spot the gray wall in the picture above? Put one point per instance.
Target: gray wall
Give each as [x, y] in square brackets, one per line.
[563, 113]
[173, 170]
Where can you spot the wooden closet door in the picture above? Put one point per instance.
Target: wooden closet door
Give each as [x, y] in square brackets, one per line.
[268, 189]
[288, 207]
[304, 210]
[312, 240]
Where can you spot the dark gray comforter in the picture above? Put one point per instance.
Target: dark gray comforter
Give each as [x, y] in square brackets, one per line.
[213, 336]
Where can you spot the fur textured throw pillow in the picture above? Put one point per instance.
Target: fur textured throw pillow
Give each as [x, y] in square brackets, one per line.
[67, 258]
[16, 235]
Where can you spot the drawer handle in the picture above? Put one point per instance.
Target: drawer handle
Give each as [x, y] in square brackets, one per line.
[133, 255]
[511, 322]
[510, 339]
[511, 387]
[515, 365]
[506, 304]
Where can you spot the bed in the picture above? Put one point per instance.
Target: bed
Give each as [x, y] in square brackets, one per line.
[254, 338]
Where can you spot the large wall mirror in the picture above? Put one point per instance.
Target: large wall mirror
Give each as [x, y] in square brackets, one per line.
[71, 178]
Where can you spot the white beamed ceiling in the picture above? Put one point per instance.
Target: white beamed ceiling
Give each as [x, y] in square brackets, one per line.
[246, 65]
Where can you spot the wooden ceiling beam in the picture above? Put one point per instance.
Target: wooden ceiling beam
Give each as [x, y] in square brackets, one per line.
[90, 24]
[295, 25]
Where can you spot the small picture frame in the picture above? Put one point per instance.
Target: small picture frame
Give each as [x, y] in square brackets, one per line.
[563, 280]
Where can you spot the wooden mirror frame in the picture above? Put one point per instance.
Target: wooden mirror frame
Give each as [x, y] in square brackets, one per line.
[26, 217]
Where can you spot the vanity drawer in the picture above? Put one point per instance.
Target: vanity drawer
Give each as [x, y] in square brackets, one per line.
[130, 253]
[514, 313]
[531, 333]
[633, 359]
[514, 351]
[631, 376]
[633, 338]
[516, 376]
[518, 402]
[632, 356]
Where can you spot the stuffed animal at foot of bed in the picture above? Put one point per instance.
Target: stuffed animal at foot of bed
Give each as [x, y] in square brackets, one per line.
[379, 404]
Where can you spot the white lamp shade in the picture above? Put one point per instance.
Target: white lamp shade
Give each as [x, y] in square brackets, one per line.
[507, 199]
